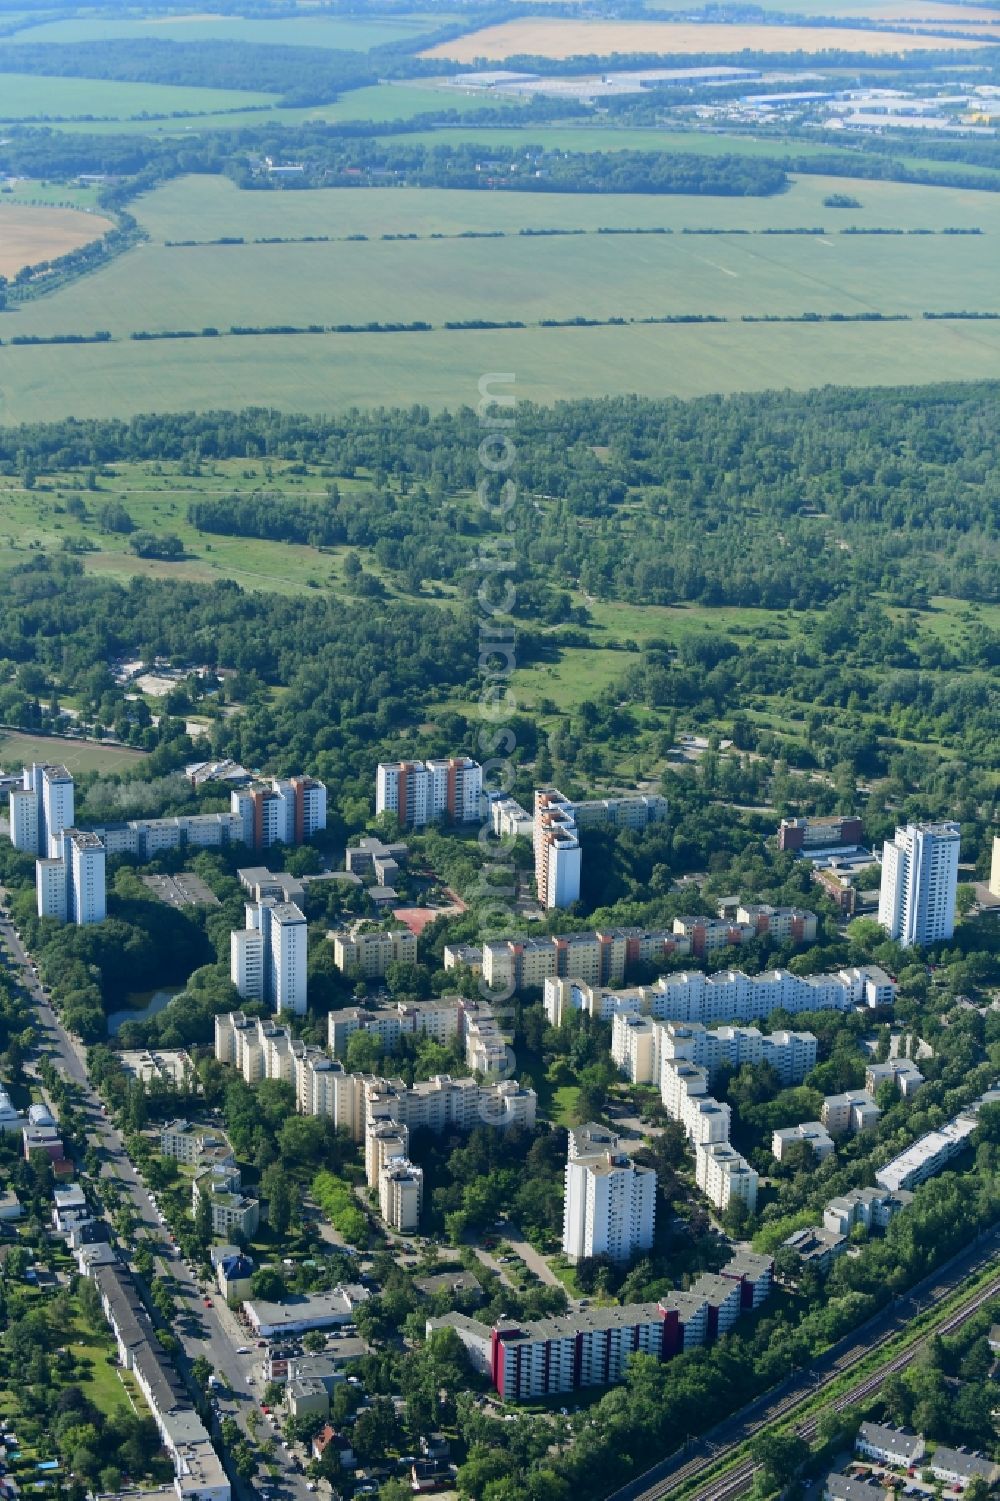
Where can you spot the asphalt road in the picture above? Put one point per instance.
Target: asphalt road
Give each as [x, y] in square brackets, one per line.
[211, 1331]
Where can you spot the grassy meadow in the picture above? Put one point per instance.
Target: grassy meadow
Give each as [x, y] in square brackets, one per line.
[157, 496]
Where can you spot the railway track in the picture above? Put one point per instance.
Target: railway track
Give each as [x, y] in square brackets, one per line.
[737, 1481]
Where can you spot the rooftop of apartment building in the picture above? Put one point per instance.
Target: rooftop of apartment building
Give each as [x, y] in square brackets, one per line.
[814, 1241]
[898, 1440]
[83, 839]
[748, 1264]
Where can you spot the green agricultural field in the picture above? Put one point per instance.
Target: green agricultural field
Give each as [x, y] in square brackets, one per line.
[26, 96]
[205, 208]
[533, 278]
[344, 33]
[50, 194]
[379, 103]
[17, 749]
[709, 143]
[528, 278]
[333, 372]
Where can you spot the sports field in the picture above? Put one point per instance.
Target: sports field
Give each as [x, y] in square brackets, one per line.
[26, 96]
[18, 749]
[345, 33]
[571, 38]
[29, 235]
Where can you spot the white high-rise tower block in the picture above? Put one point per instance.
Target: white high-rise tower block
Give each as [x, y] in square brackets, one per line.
[919, 883]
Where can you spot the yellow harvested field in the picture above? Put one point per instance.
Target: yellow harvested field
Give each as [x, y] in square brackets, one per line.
[29, 234]
[569, 38]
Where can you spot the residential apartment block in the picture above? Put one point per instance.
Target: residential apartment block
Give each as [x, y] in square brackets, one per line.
[697, 999]
[401, 1194]
[640, 1045]
[871, 1208]
[148, 837]
[268, 956]
[808, 834]
[41, 808]
[817, 1248]
[900, 1072]
[70, 886]
[725, 1177]
[198, 1472]
[280, 812]
[509, 820]
[745, 923]
[423, 792]
[846, 1114]
[369, 954]
[439, 1018]
[555, 828]
[813, 1133]
[919, 883]
[592, 1346]
[232, 1212]
[195, 1145]
[558, 856]
[264, 1050]
[926, 1157]
[609, 1207]
[605, 958]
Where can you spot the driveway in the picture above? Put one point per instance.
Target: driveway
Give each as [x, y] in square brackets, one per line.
[532, 1259]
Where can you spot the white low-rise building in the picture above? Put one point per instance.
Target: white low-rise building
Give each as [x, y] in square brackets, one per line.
[848, 1113]
[900, 1072]
[871, 1208]
[813, 1133]
[927, 1156]
[959, 1467]
[889, 1446]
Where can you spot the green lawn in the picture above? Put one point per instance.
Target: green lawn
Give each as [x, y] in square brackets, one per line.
[25, 96]
[17, 749]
